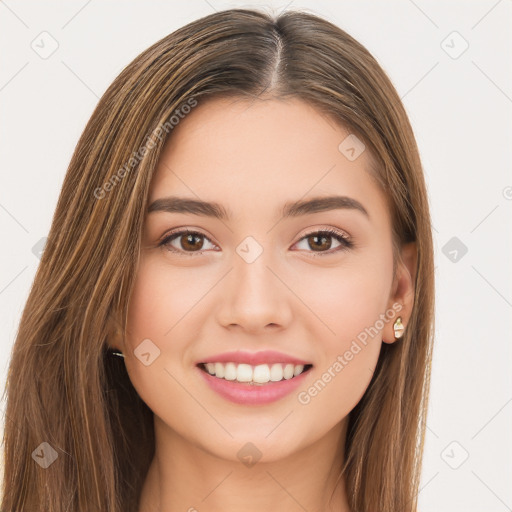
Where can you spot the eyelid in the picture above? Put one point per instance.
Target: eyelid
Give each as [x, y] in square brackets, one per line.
[332, 231]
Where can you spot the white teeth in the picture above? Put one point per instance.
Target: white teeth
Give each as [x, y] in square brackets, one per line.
[244, 373]
[276, 372]
[230, 371]
[260, 374]
[288, 371]
[219, 370]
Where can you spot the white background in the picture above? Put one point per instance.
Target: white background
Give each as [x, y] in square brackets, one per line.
[461, 112]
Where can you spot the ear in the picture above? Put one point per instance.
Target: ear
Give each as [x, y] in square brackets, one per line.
[114, 339]
[401, 299]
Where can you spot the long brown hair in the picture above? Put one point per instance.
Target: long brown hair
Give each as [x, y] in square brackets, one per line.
[63, 387]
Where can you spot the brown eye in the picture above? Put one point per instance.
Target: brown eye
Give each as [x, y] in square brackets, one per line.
[191, 241]
[321, 241]
[185, 242]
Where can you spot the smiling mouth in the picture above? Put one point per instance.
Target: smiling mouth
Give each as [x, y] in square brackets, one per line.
[258, 375]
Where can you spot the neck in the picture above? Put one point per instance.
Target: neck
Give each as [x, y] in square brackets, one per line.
[185, 477]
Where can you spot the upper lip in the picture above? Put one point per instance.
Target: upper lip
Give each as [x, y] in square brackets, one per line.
[253, 358]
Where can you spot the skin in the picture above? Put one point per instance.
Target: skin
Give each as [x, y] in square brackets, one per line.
[252, 157]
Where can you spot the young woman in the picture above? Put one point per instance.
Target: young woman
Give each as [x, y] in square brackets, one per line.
[234, 309]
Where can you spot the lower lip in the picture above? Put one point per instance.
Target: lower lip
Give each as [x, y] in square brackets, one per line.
[247, 394]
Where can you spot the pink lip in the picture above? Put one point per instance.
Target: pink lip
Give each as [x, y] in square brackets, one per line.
[262, 357]
[247, 394]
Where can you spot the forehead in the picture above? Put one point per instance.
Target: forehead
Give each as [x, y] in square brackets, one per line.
[251, 154]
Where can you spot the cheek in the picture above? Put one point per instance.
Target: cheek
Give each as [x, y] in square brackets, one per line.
[336, 388]
[348, 304]
[157, 304]
[164, 308]
[162, 301]
[346, 301]
[348, 351]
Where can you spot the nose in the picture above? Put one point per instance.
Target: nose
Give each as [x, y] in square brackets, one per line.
[255, 296]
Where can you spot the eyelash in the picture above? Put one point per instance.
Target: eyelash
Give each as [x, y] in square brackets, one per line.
[346, 243]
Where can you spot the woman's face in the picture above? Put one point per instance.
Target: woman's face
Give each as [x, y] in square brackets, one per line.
[258, 280]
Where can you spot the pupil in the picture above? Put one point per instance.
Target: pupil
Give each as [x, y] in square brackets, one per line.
[190, 239]
[323, 238]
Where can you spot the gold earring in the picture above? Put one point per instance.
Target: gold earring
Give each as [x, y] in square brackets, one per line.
[399, 328]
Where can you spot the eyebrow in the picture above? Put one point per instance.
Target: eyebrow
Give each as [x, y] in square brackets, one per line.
[174, 204]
